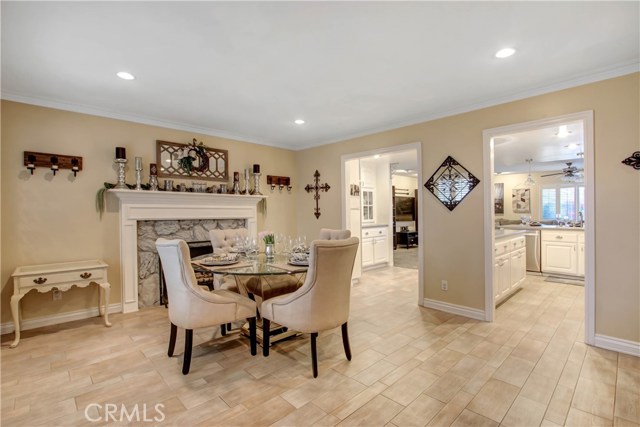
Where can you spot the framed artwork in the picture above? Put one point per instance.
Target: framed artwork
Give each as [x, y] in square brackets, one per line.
[521, 200]
[451, 183]
[498, 198]
[193, 161]
[355, 190]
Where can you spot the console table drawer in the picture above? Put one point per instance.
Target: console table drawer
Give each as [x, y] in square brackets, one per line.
[67, 277]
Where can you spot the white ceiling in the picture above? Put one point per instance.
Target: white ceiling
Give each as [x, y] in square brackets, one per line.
[246, 70]
[548, 150]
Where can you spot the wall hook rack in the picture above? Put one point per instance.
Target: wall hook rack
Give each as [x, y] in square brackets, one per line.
[279, 181]
[55, 162]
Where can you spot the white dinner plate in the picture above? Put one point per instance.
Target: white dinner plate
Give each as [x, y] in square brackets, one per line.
[216, 263]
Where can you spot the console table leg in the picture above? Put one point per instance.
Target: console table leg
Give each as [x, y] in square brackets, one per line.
[15, 312]
[104, 309]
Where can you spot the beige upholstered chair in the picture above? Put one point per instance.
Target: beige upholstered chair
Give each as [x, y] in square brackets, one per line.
[322, 302]
[329, 234]
[191, 307]
[225, 240]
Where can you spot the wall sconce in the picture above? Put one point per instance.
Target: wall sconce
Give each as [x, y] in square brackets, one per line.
[31, 160]
[280, 181]
[55, 162]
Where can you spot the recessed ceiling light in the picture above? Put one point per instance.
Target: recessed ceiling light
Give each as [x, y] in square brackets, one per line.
[505, 53]
[125, 76]
[299, 122]
[377, 156]
[563, 132]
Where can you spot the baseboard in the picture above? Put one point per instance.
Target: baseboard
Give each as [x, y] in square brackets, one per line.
[460, 310]
[618, 344]
[55, 319]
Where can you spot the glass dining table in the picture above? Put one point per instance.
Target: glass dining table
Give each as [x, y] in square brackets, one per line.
[259, 279]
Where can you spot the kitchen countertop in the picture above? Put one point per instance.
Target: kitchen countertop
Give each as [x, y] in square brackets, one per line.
[503, 234]
[541, 227]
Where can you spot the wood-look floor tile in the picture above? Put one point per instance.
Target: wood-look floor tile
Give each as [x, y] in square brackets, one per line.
[305, 415]
[265, 414]
[538, 388]
[524, 412]
[529, 349]
[627, 406]
[514, 371]
[407, 388]
[419, 412]
[628, 380]
[494, 399]
[378, 411]
[578, 418]
[595, 398]
[446, 387]
[352, 405]
[559, 404]
[470, 418]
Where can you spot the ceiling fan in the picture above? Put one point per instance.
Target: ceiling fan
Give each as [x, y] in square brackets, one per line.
[569, 173]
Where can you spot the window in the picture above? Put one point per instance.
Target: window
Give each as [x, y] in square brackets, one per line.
[562, 201]
[367, 205]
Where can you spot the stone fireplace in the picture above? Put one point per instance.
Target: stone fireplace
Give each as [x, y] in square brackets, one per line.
[170, 209]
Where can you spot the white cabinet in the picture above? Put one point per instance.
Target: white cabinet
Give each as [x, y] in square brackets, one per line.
[510, 266]
[375, 246]
[562, 253]
[581, 254]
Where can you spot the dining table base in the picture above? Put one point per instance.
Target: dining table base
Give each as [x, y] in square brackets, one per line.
[277, 332]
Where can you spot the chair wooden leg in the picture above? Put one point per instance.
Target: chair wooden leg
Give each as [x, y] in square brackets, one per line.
[266, 326]
[188, 344]
[314, 354]
[252, 335]
[223, 329]
[345, 341]
[172, 339]
[229, 327]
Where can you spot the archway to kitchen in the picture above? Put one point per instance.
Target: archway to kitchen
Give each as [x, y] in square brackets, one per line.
[368, 208]
[554, 202]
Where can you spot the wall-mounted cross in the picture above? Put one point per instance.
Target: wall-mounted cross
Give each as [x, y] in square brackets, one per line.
[317, 188]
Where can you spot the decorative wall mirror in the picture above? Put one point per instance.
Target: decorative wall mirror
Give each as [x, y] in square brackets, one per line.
[206, 163]
[451, 183]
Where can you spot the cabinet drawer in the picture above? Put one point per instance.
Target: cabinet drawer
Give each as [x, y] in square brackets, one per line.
[517, 243]
[374, 232]
[559, 236]
[580, 236]
[47, 279]
[502, 247]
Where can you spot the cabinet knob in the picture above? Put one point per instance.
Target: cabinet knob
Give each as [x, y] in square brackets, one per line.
[380, 232]
[558, 237]
[85, 275]
[40, 280]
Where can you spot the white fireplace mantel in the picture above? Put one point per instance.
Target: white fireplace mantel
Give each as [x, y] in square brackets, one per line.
[159, 205]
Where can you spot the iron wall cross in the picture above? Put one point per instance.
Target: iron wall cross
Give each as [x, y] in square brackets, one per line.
[317, 188]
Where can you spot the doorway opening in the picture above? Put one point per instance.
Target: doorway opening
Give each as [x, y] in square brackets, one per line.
[539, 208]
[373, 184]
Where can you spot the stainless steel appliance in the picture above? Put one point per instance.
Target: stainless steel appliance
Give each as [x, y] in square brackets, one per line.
[532, 238]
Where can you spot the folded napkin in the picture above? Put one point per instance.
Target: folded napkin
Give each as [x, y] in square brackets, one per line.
[299, 256]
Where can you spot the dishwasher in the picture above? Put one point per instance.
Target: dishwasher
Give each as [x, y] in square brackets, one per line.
[532, 238]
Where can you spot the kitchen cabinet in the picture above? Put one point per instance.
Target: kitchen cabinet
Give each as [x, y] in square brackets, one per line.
[510, 266]
[375, 246]
[562, 252]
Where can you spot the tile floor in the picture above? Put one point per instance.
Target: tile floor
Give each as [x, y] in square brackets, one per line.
[411, 367]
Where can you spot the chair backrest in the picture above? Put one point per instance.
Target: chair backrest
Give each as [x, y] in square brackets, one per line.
[327, 289]
[225, 240]
[329, 234]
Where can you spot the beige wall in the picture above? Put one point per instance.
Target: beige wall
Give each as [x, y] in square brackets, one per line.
[52, 219]
[454, 239]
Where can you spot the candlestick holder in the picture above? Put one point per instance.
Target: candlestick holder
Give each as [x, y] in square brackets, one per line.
[138, 179]
[121, 165]
[246, 190]
[153, 183]
[256, 184]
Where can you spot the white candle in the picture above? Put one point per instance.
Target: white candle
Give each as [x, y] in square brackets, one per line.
[138, 163]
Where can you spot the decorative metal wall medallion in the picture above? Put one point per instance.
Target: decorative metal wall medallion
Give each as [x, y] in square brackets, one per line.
[633, 160]
[317, 188]
[451, 183]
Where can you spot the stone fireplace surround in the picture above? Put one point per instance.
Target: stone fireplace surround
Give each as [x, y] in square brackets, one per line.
[159, 205]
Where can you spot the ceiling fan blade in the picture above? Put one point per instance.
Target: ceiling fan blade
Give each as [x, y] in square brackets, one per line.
[552, 174]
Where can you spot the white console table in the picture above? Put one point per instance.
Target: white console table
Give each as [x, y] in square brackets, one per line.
[62, 276]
